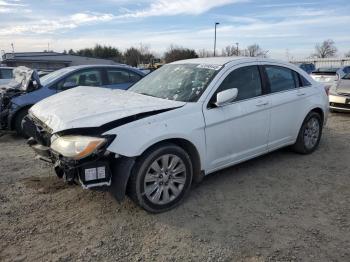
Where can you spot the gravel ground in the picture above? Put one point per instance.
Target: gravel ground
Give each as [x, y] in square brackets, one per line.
[279, 207]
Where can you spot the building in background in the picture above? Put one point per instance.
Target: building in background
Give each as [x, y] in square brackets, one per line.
[49, 60]
[324, 62]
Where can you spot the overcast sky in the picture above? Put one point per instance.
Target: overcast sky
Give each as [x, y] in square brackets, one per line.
[278, 26]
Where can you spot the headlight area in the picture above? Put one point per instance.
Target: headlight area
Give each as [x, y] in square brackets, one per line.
[78, 158]
[82, 158]
[76, 147]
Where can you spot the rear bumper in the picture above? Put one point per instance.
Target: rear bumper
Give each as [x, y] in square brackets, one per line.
[339, 102]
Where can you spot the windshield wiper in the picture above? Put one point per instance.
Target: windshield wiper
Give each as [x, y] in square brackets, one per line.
[145, 94]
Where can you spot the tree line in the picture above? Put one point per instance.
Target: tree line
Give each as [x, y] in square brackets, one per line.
[134, 56]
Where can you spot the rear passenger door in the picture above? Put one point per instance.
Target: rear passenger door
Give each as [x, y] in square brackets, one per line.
[121, 78]
[287, 100]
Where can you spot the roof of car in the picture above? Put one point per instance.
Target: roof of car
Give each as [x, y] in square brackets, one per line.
[101, 65]
[225, 60]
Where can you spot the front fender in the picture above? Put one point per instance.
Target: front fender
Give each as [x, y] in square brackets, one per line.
[186, 123]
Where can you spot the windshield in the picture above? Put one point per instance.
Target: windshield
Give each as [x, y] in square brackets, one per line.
[347, 76]
[179, 82]
[49, 78]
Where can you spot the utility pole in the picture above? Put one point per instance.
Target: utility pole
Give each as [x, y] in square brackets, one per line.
[13, 48]
[216, 24]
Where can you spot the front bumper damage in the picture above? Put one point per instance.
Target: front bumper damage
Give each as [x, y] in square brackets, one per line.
[103, 170]
[339, 102]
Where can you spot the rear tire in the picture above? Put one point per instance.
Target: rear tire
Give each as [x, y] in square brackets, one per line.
[161, 178]
[18, 123]
[309, 135]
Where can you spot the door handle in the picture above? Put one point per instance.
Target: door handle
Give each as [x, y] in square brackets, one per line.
[262, 103]
[301, 94]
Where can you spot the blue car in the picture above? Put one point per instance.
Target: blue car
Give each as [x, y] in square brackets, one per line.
[15, 102]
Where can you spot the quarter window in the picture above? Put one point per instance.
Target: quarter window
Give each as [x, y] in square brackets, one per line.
[303, 81]
[280, 78]
[246, 80]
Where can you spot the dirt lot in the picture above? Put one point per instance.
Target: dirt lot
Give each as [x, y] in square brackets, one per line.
[280, 207]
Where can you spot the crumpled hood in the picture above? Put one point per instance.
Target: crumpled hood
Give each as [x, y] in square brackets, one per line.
[343, 87]
[83, 107]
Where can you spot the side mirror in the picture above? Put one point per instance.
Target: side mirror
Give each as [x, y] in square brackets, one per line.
[68, 85]
[226, 96]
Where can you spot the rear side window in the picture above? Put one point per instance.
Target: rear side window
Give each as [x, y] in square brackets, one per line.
[119, 76]
[280, 78]
[246, 80]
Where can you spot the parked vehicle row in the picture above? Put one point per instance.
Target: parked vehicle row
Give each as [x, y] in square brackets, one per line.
[15, 100]
[183, 121]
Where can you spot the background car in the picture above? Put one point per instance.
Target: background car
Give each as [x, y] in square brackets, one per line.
[330, 75]
[14, 105]
[307, 67]
[5, 75]
[339, 95]
[185, 120]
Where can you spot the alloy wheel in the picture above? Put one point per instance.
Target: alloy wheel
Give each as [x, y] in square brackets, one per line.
[165, 179]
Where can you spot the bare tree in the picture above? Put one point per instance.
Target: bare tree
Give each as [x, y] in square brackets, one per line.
[175, 53]
[347, 54]
[255, 51]
[325, 49]
[205, 53]
[230, 50]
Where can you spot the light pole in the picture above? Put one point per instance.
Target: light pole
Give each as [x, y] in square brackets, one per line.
[216, 24]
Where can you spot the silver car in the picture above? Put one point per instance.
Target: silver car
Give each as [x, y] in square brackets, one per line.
[339, 95]
[329, 76]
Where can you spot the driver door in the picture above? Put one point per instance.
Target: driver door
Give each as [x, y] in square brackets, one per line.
[239, 130]
[88, 77]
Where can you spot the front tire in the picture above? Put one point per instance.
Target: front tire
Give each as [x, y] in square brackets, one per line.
[161, 178]
[309, 135]
[18, 123]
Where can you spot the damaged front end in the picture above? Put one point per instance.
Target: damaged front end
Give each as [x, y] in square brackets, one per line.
[25, 80]
[88, 164]
[6, 95]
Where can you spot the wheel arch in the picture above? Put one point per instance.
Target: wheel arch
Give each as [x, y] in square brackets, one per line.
[15, 114]
[190, 148]
[320, 112]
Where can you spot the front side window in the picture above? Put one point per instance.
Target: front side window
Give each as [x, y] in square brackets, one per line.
[280, 78]
[91, 77]
[179, 82]
[246, 80]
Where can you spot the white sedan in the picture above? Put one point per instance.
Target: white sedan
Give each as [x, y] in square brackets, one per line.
[184, 121]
